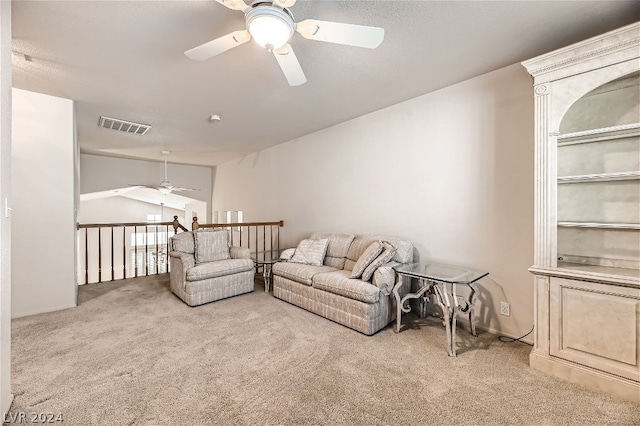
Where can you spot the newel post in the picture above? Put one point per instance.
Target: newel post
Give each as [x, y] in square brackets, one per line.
[176, 225]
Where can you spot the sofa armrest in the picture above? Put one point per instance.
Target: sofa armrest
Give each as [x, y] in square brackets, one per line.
[240, 252]
[179, 263]
[385, 277]
[287, 254]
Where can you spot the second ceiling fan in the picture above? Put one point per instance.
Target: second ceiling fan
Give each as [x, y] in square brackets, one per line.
[271, 25]
[165, 187]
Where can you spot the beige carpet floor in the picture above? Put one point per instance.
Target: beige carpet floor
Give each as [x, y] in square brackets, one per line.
[133, 354]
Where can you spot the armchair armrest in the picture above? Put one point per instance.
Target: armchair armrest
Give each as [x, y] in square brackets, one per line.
[179, 264]
[186, 260]
[240, 253]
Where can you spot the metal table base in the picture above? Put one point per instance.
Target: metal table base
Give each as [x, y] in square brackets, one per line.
[445, 293]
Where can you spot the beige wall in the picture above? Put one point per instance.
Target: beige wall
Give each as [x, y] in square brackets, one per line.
[5, 192]
[43, 216]
[451, 170]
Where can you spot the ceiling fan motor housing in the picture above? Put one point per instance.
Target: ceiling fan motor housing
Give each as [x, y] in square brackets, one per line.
[270, 26]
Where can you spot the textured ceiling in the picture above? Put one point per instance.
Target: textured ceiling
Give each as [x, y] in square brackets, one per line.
[125, 59]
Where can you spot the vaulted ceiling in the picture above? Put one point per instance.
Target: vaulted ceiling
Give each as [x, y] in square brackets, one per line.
[125, 59]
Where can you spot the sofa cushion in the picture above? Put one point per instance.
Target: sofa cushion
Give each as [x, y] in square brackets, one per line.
[183, 242]
[338, 247]
[388, 251]
[203, 271]
[298, 271]
[311, 252]
[338, 282]
[211, 245]
[370, 253]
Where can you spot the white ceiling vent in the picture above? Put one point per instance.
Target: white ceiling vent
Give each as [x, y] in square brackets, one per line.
[123, 125]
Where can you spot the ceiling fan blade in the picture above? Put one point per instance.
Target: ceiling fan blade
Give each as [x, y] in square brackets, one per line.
[136, 186]
[335, 32]
[218, 46]
[289, 65]
[184, 189]
[234, 4]
[284, 3]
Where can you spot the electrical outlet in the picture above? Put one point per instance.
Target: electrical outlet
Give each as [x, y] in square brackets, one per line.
[505, 309]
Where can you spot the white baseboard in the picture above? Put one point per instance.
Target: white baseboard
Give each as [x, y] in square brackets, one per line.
[36, 312]
[7, 406]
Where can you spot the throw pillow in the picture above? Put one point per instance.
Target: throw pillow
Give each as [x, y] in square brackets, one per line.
[368, 256]
[211, 245]
[311, 252]
[387, 254]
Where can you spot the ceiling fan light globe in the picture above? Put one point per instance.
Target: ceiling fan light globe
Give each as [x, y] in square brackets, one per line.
[271, 28]
[165, 191]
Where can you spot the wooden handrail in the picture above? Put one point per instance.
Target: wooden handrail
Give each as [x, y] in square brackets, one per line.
[195, 225]
[118, 225]
[175, 223]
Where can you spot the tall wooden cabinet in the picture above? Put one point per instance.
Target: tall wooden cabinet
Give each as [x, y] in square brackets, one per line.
[587, 212]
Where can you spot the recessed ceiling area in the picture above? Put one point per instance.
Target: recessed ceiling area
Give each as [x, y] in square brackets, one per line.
[126, 59]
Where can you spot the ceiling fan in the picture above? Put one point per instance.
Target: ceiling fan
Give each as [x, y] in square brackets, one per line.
[271, 25]
[165, 186]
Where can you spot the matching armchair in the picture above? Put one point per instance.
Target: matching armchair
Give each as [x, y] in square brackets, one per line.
[205, 267]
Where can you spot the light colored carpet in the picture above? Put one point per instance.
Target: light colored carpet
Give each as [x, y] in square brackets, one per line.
[133, 353]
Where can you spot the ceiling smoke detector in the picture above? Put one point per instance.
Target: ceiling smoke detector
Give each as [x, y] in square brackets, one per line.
[123, 125]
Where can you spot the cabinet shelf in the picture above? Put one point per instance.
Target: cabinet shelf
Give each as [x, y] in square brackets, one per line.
[600, 225]
[599, 177]
[600, 135]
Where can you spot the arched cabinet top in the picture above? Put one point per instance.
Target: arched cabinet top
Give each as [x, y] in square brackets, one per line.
[613, 104]
[569, 73]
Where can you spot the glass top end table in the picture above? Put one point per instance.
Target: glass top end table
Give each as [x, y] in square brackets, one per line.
[441, 280]
[266, 259]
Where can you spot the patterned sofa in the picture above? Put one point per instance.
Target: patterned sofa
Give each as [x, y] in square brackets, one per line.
[364, 304]
[204, 268]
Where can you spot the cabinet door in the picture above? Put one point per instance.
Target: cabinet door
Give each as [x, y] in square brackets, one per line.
[596, 325]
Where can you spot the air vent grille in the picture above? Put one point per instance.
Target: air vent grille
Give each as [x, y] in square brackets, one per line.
[123, 125]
